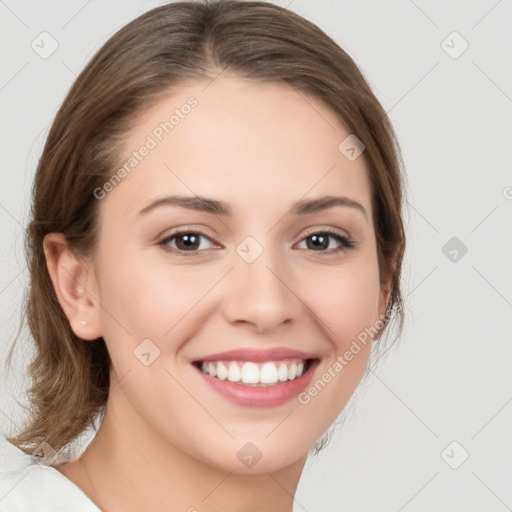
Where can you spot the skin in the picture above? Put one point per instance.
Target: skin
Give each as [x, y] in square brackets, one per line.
[168, 442]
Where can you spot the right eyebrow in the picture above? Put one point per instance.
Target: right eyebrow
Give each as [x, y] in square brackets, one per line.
[198, 203]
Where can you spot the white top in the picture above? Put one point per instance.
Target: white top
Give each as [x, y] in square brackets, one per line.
[39, 488]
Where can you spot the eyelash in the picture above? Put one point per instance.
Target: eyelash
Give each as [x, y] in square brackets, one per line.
[347, 243]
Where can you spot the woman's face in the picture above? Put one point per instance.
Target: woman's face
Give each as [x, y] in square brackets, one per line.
[252, 270]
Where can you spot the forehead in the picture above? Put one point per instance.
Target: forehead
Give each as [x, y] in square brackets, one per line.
[247, 142]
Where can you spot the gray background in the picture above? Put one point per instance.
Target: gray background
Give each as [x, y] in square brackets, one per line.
[448, 379]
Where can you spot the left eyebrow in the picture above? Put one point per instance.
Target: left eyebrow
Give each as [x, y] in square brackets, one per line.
[216, 207]
[306, 206]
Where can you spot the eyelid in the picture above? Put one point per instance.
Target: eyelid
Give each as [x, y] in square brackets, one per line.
[337, 231]
[200, 230]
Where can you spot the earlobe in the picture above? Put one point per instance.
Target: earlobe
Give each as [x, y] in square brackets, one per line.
[384, 296]
[71, 282]
[383, 299]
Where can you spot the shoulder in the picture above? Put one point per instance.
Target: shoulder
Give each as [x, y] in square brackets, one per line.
[41, 488]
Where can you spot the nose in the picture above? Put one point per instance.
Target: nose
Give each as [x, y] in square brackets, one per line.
[261, 294]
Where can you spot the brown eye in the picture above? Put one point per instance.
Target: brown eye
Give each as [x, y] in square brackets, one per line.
[184, 243]
[320, 241]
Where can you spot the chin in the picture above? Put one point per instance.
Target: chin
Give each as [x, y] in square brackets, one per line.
[264, 456]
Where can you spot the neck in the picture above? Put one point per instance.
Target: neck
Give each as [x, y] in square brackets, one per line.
[127, 466]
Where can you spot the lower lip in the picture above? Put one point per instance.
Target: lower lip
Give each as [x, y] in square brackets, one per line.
[260, 396]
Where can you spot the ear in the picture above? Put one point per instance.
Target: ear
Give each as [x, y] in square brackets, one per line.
[75, 286]
[383, 298]
[384, 295]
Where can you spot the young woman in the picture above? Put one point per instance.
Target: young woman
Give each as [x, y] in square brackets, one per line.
[215, 247]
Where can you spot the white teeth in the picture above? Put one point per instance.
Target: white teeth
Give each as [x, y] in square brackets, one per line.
[250, 372]
[268, 373]
[212, 370]
[292, 371]
[283, 372]
[222, 371]
[234, 373]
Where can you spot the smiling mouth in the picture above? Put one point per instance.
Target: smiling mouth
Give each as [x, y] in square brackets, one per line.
[250, 373]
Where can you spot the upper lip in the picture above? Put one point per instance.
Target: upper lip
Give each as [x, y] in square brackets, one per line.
[257, 355]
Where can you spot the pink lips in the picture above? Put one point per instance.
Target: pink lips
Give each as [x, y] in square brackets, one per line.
[258, 355]
[259, 396]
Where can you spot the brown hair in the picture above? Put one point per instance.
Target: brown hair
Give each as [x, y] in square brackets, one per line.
[161, 49]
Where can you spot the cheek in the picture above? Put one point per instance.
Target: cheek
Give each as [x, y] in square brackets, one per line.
[144, 299]
[353, 310]
[146, 309]
[345, 300]
[345, 303]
